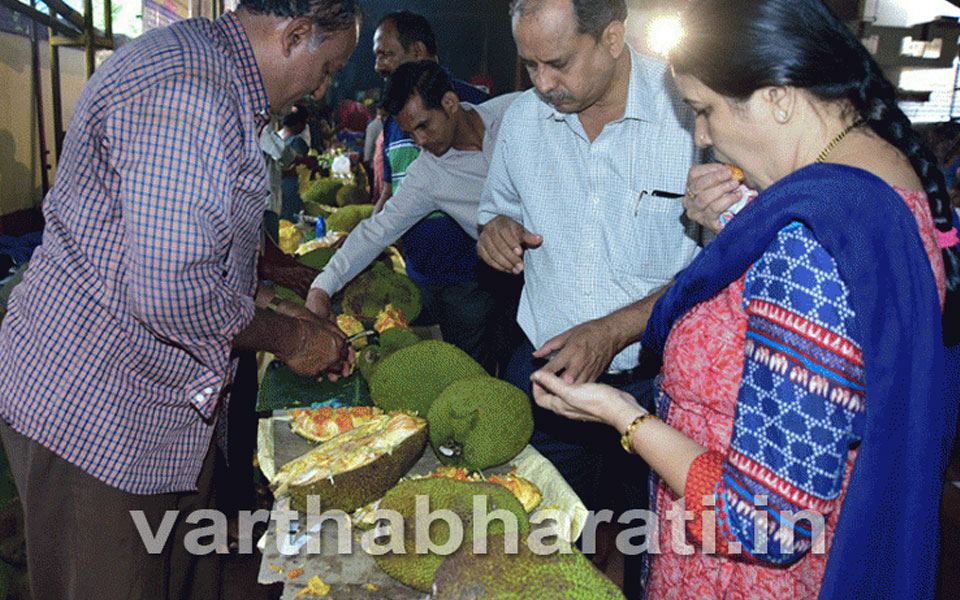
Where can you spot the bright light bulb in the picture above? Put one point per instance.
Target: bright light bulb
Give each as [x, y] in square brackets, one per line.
[664, 33]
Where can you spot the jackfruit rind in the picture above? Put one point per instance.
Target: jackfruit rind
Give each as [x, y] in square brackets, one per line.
[367, 360]
[370, 291]
[479, 422]
[317, 259]
[352, 194]
[370, 357]
[348, 217]
[322, 191]
[411, 378]
[355, 467]
[417, 569]
[396, 338]
[524, 575]
[288, 294]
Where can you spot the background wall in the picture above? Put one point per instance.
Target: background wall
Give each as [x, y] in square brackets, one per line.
[473, 36]
[20, 173]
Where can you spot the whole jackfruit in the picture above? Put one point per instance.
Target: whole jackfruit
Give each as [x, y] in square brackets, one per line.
[411, 378]
[351, 194]
[378, 286]
[322, 191]
[479, 422]
[390, 341]
[417, 569]
[395, 338]
[522, 575]
[348, 217]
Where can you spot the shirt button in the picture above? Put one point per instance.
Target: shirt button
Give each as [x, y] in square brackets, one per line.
[208, 391]
[596, 200]
[200, 398]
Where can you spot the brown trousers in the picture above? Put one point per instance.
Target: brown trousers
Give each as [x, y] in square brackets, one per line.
[82, 542]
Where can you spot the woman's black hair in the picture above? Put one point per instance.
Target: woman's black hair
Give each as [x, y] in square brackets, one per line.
[736, 47]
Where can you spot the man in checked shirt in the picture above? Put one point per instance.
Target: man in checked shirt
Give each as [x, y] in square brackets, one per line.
[115, 356]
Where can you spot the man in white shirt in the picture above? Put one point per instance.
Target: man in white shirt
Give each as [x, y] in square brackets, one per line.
[459, 139]
[584, 198]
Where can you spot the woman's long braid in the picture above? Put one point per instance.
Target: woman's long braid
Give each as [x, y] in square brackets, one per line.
[875, 101]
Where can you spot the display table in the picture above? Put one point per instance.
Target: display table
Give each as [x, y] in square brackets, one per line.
[355, 575]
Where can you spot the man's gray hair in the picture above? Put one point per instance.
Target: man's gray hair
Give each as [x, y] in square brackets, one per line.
[327, 15]
[593, 16]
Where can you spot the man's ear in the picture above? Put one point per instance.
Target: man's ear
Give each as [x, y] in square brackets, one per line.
[296, 32]
[613, 38]
[419, 51]
[450, 103]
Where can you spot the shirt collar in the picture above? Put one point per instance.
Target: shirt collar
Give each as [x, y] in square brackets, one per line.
[639, 94]
[240, 50]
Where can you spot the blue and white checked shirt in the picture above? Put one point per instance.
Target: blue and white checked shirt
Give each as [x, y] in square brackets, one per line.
[116, 350]
[608, 240]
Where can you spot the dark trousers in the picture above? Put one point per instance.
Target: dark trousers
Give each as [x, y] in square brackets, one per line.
[478, 316]
[82, 542]
[589, 455]
[234, 471]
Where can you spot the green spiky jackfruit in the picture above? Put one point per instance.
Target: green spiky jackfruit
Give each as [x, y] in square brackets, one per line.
[417, 569]
[390, 341]
[395, 338]
[380, 285]
[351, 194]
[322, 191]
[348, 217]
[411, 378]
[479, 422]
[522, 575]
[317, 259]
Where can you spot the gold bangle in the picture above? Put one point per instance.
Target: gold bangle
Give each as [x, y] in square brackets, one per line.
[625, 438]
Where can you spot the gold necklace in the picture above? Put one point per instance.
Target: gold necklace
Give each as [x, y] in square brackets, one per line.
[833, 143]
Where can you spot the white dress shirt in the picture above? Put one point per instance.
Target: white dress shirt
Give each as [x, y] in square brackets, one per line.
[610, 237]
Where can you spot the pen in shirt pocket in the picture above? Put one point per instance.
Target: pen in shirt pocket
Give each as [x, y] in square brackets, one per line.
[658, 194]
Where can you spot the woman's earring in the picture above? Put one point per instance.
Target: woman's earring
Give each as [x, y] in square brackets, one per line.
[782, 116]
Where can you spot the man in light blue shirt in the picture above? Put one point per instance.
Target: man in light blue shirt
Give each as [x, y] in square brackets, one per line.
[584, 198]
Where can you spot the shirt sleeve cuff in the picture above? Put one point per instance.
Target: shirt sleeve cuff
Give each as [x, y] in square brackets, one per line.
[322, 282]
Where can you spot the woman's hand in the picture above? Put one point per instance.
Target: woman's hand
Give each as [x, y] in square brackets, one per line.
[667, 451]
[710, 191]
[593, 402]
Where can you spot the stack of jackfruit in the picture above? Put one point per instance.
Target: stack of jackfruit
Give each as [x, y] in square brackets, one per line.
[372, 290]
[476, 421]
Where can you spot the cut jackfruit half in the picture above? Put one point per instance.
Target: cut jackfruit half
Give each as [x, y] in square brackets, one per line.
[355, 467]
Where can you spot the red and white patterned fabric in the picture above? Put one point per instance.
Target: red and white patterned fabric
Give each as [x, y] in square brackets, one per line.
[703, 365]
